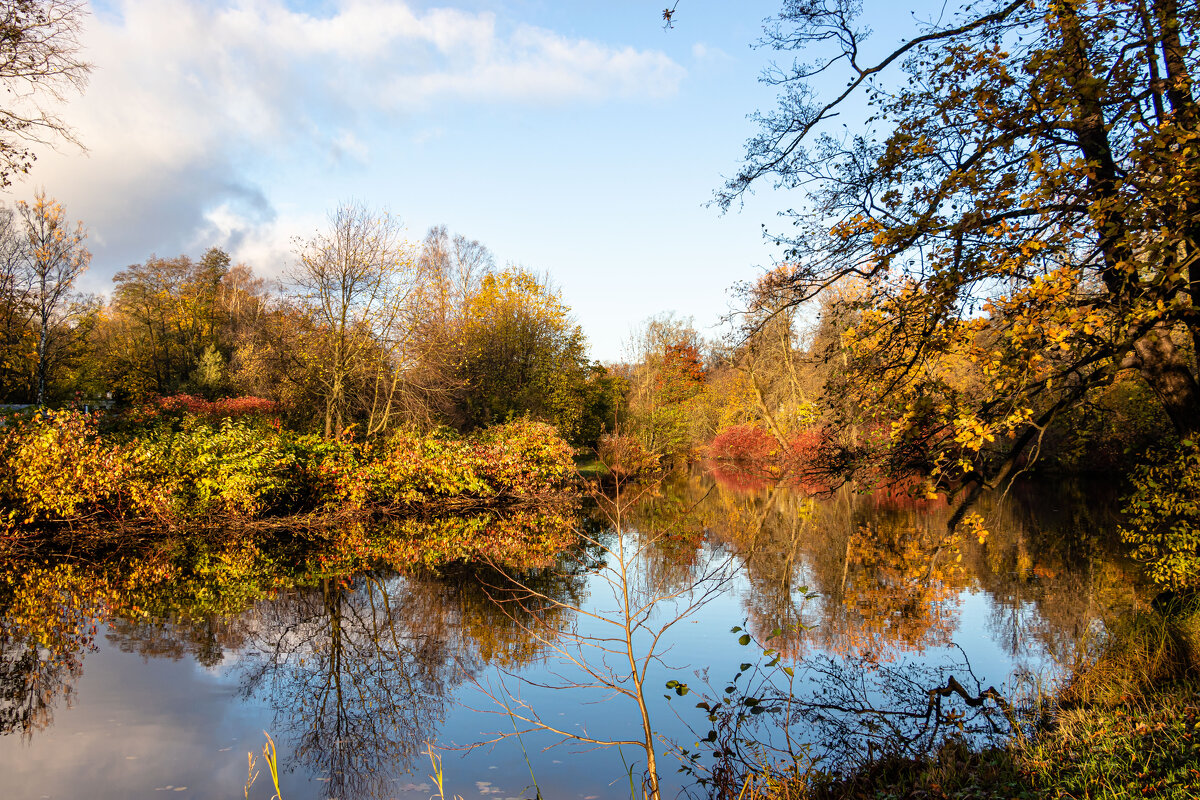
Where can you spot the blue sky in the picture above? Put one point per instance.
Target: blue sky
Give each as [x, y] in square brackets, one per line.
[576, 138]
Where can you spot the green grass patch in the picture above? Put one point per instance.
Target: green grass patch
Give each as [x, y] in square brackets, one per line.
[591, 468]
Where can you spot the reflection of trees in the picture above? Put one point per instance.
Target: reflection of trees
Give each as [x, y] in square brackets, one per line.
[884, 583]
[1049, 564]
[354, 688]
[359, 671]
[899, 590]
[889, 574]
[206, 640]
[668, 530]
[48, 618]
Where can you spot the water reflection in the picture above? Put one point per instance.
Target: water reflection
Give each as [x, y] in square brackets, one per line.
[359, 654]
[888, 575]
[353, 688]
[48, 623]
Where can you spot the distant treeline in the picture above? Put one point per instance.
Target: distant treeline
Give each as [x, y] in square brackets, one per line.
[365, 331]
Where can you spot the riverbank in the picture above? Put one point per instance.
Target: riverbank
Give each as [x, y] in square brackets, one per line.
[1125, 724]
[166, 468]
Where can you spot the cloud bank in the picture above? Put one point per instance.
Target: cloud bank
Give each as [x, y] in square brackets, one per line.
[192, 105]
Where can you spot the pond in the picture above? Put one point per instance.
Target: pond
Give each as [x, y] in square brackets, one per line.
[106, 693]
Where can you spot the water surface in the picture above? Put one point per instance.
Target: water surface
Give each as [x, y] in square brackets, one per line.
[105, 692]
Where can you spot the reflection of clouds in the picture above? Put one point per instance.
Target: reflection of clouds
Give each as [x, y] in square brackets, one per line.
[172, 733]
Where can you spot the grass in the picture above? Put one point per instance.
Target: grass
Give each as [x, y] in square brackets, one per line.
[591, 468]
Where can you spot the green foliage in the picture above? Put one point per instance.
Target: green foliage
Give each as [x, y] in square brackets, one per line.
[1163, 516]
[603, 405]
[236, 467]
[60, 468]
[1116, 423]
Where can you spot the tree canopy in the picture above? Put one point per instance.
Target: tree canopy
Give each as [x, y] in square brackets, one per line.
[1022, 199]
[39, 59]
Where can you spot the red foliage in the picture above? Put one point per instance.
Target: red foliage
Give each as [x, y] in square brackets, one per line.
[743, 443]
[907, 493]
[225, 407]
[682, 375]
[735, 478]
[747, 458]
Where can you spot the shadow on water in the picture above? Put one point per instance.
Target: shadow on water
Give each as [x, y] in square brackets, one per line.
[358, 646]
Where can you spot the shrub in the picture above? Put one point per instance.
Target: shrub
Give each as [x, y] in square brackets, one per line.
[415, 468]
[57, 468]
[523, 458]
[230, 407]
[1163, 516]
[624, 456]
[742, 443]
[237, 467]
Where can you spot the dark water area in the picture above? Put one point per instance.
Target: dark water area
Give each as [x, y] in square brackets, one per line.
[108, 691]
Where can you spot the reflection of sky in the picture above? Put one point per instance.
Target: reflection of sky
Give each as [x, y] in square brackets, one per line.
[143, 726]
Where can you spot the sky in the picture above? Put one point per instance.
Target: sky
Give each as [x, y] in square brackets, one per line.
[577, 139]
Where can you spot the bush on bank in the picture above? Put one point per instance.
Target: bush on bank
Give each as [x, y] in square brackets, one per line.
[62, 467]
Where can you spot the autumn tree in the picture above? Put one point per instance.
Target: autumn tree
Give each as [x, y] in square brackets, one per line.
[779, 373]
[39, 61]
[1023, 198]
[521, 353]
[54, 256]
[353, 282]
[166, 315]
[667, 378]
[450, 270]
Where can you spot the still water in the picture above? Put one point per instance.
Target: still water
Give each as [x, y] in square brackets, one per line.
[108, 690]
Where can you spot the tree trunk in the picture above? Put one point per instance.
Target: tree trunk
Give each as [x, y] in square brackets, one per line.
[1156, 357]
[1170, 378]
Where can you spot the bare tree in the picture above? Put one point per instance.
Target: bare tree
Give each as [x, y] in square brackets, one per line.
[54, 258]
[615, 643]
[353, 282]
[39, 60]
[16, 307]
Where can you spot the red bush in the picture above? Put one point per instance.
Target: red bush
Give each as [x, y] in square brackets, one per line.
[743, 443]
[225, 407]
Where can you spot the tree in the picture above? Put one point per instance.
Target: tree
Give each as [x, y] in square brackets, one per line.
[169, 312]
[54, 258]
[39, 59]
[16, 309]
[353, 283]
[1023, 202]
[453, 268]
[667, 380]
[521, 353]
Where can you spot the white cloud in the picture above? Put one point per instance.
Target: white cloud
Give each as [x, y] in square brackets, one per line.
[704, 53]
[191, 103]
